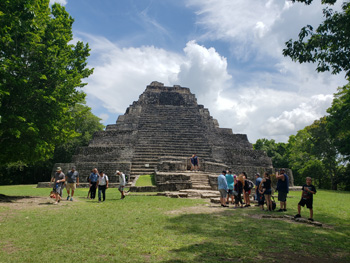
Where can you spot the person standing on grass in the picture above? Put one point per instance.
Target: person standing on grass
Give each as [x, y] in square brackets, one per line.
[307, 194]
[230, 182]
[58, 179]
[283, 189]
[102, 183]
[246, 190]
[266, 184]
[122, 183]
[93, 183]
[222, 187]
[239, 190]
[72, 179]
[258, 180]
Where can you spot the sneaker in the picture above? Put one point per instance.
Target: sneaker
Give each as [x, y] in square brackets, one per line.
[67, 197]
[297, 216]
[55, 203]
[310, 219]
[71, 198]
[281, 210]
[285, 210]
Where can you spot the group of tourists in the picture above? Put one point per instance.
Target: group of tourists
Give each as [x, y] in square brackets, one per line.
[233, 187]
[96, 180]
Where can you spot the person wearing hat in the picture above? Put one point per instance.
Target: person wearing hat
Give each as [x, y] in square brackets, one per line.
[58, 179]
[283, 189]
[122, 183]
[72, 179]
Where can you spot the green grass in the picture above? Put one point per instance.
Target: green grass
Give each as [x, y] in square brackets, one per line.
[145, 180]
[145, 229]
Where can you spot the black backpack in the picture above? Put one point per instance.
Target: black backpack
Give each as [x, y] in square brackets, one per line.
[250, 184]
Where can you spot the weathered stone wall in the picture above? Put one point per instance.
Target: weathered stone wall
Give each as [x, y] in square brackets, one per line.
[172, 182]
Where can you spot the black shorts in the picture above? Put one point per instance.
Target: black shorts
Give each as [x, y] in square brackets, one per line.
[282, 196]
[307, 202]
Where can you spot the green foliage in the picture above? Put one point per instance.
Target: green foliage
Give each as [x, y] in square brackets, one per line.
[312, 153]
[85, 125]
[328, 45]
[277, 151]
[40, 77]
[338, 121]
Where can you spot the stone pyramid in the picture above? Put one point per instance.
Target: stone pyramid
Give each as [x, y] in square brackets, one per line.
[160, 132]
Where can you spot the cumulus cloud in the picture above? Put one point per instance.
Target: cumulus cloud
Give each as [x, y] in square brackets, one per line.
[204, 71]
[269, 97]
[121, 74]
[290, 121]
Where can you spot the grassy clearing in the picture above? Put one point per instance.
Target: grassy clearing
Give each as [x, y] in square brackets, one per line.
[160, 229]
[145, 180]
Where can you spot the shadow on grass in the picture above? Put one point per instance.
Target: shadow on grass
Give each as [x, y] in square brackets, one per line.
[10, 199]
[229, 236]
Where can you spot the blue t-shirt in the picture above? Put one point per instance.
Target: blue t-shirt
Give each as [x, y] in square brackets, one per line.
[230, 181]
[222, 183]
[258, 181]
[93, 177]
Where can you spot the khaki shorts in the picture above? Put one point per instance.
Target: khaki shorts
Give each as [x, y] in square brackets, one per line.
[71, 186]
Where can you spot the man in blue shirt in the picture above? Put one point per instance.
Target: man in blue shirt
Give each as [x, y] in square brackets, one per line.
[93, 183]
[222, 187]
[257, 183]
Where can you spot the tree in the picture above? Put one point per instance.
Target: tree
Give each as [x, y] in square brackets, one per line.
[338, 121]
[40, 79]
[85, 125]
[328, 45]
[312, 153]
[276, 151]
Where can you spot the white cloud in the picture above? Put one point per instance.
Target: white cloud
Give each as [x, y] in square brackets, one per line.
[104, 117]
[258, 106]
[121, 74]
[290, 121]
[61, 2]
[204, 71]
[270, 97]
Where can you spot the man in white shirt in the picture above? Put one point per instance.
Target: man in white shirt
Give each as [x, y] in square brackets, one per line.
[102, 183]
[122, 183]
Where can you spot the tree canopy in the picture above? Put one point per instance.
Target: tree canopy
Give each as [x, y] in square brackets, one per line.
[328, 45]
[338, 121]
[41, 74]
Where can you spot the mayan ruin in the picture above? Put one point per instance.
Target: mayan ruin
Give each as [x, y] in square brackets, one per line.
[159, 133]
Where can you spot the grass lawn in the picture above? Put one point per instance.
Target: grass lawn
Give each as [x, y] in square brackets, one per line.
[161, 229]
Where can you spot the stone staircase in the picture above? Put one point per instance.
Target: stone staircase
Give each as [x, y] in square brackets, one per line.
[200, 181]
[166, 130]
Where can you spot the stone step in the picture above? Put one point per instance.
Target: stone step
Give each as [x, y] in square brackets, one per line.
[201, 187]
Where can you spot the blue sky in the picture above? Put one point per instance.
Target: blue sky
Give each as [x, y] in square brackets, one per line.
[228, 52]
